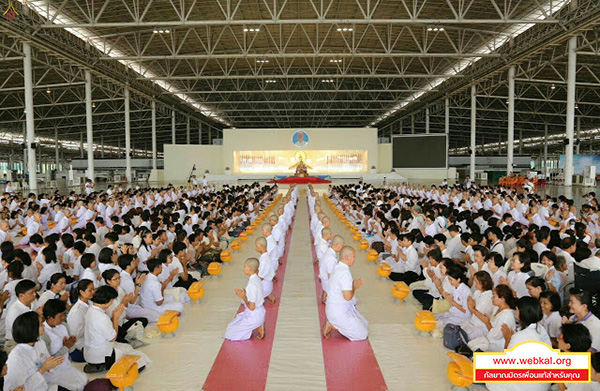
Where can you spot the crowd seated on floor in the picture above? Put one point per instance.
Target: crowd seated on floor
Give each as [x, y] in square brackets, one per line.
[82, 275]
[496, 266]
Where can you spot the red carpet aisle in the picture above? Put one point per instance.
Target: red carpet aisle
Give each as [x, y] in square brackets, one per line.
[244, 365]
[348, 365]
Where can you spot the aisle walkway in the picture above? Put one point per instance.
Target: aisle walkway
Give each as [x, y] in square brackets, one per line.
[297, 359]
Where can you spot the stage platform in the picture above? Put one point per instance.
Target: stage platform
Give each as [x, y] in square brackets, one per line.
[300, 180]
[374, 178]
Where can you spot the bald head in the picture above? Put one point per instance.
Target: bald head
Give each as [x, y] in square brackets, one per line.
[261, 241]
[252, 263]
[337, 243]
[347, 255]
[326, 233]
[267, 229]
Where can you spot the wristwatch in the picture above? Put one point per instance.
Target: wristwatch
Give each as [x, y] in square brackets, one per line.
[138, 285]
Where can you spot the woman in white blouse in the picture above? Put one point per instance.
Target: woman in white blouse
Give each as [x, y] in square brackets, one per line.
[76, 317]
[457, 297]
[493, 341]
[529, 313]
[29, 362]
[581, 305]
[146, 250]
[481, 303]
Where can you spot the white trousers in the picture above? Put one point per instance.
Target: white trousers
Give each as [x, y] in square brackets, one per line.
[347, 320]
[240, 328]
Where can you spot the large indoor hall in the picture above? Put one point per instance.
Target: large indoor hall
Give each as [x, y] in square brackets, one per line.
[315, 195]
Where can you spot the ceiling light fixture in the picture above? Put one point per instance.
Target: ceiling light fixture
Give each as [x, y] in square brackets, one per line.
[270, 81]
[93, 105]
[344, 29]
[251, 29]
[262, 61]
[48, 91]
[327, 81]
[552, 87]
[336, 60]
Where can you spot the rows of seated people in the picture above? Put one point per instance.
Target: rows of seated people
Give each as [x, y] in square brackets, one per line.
[82, 276]
[495, 267]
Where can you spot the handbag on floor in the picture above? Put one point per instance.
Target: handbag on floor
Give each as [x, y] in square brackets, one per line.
[454, 336]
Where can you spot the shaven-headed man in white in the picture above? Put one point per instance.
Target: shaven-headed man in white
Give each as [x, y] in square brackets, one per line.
[328, 263]
[340, 308]
[266, 231]
[265, 269]
[322, 243]
[253, 316]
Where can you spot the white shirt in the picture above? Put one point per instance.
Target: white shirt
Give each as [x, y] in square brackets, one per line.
[265, 268]
[99, 332]
[340, 280]
[76, 322]
[151, 292]
[517, 283]
[23, 369]
[254, 291]
[552, 324]
[328, 263]
[17, 308]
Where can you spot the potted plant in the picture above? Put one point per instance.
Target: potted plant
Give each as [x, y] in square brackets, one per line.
[227, 170]
[373, 170]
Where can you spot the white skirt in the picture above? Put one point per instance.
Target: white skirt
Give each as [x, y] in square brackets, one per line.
[267, 287]
[347, 320]
[241, 327]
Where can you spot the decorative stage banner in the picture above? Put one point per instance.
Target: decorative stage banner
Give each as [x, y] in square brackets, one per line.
[316, 162]
[580, 162]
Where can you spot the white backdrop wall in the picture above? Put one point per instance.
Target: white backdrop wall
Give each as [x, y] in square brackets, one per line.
[281, 139]
[179, 160]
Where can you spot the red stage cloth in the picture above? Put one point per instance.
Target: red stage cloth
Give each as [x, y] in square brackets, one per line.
[301, 180]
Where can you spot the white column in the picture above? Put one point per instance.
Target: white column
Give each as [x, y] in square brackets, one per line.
[173, 137]
[511, 121]
[427, 120]
[127, 138]
[571, 72]
[473, 131]
[153, 135]
[89, 125]
[56, 150]
[546, 149]
[200, 133]
[81, 145]
[577, 149]
[28, 76]
[187, 131]
[447, 116]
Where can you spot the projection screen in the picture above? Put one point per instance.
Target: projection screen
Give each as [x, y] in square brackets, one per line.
[420, 151]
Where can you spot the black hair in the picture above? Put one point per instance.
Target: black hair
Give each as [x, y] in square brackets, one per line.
[79, 246]
[595, 359]
[525, 260]
[484, 278]
[576, 335]
[15, 270]
[163, 255]
[109, 274]
[104, 295]
[550, 255]
[553, 298]
[497, 259]
[179, 246]
[83, 285]
[54, 307]
[26, 328]
[90, 238]
[3, 358]
[504, 292]
[105, 255]
[49, 255]
[111, 236]
[153, 264]
[456, 273]
[54, 280]
[587, 298]
[68, 240]
[24, 286]
[125, 260]
[7, 247]
[530, 311]
[87, 259]
[537, 282]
